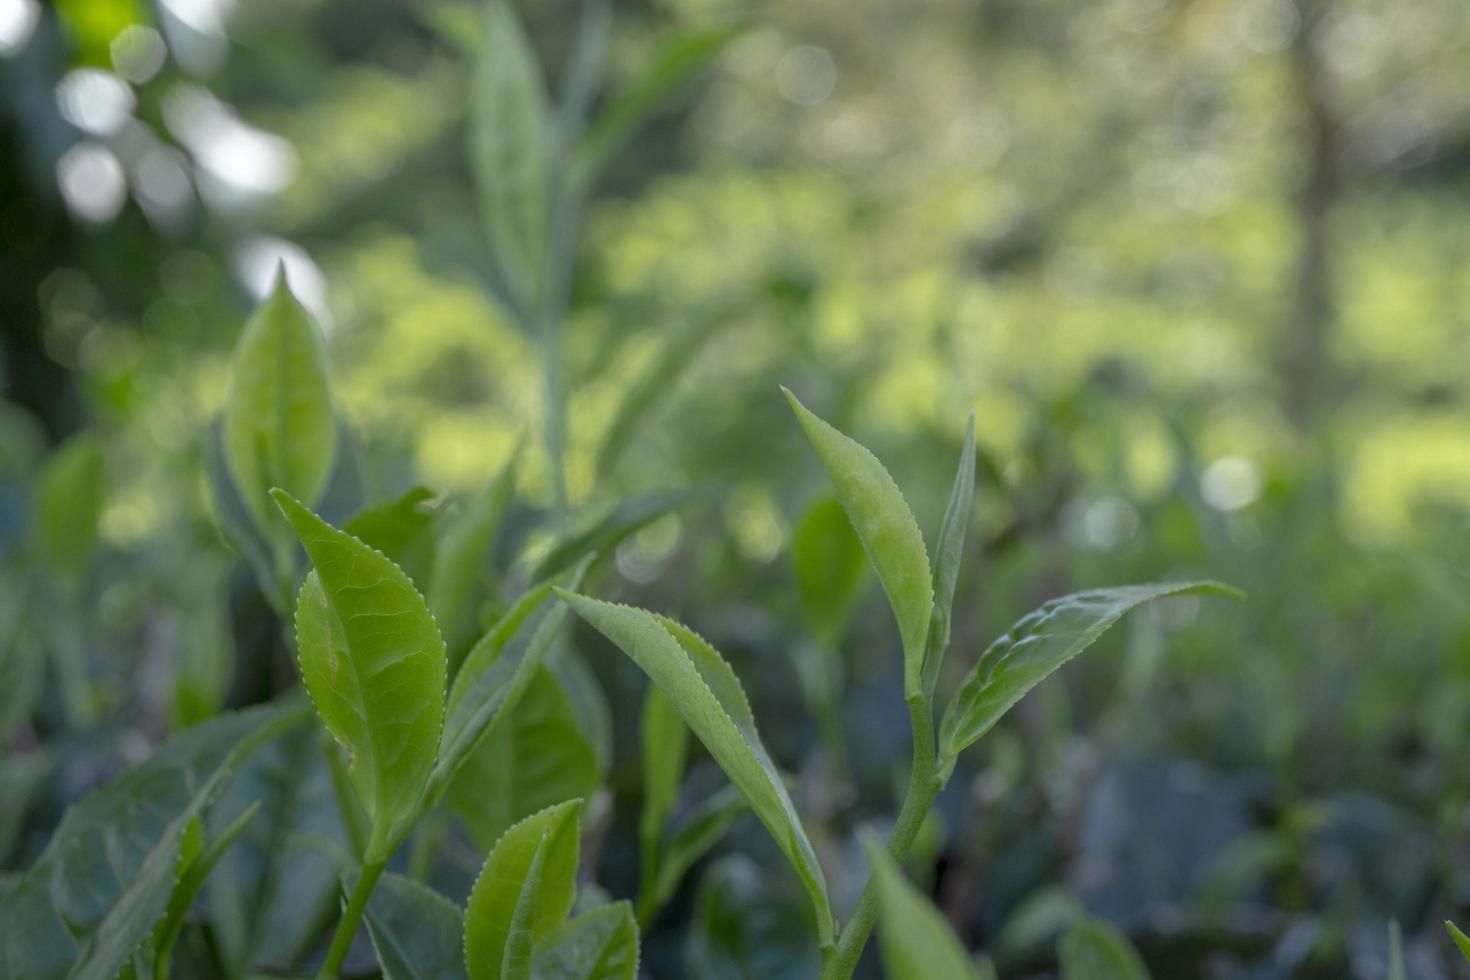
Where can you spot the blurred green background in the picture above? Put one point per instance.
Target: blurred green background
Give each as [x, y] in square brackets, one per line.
[1201, 267]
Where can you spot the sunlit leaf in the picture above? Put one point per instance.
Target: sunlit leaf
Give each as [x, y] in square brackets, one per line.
[417, 933]
[524, 891]
[374, 665]
[1093, 950]
[597, 945]
[917, 942]
[701, 685]
[105, 878]
[888, 531]
[279, 429]
[1036, 646]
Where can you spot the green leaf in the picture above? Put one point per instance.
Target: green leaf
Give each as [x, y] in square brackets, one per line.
[509, 152]
[374, 665]
[706, 692]
[104, 880]
[461, 556]
[888, 531]
[205, 660]
[691, 839]
[402, 529]
[1093, 950]
[621, 522]
[948, 555]
[496, 673]
[510, 906]
[418, 933]
[744, 927]
[278, 428]
[597, 945]
[194, 870]
[21, 773]
[1038, 644]
[672, 67]
[238, 526]
[830, 564]
[916, 940]
[535, 754]
[1462, 941]
[70, 492]
[665, 753]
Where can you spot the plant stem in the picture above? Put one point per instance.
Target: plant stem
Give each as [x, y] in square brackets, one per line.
[925, 782]
[347, 927]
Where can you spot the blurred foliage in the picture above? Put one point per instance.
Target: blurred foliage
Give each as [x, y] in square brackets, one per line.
[1199, 266]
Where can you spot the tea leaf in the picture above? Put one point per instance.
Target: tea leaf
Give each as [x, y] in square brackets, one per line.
[509, 151]
[690, 840]
[496, 672]
[597, 945]
[278, 428]
[665, 753]
[205, 659]
[105, 878]
[916, 940]
[624, 520]
[704, 689]
[535, 754]
[193, 872]
[829, 562]
[1093, 950]
[418, 934]
[461, 556]
[524, 891]
[947, 557]
[374, 665]
[70, 492]
[1462, 941]
[1038, 644]
[239, 527]
[402, 529]
[888, 531]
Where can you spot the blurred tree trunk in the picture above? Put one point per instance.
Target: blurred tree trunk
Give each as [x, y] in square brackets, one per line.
[1306, 358]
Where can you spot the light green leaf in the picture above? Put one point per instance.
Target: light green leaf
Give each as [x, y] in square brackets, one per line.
[417, 933]
[830, 564]
[1461, 940]
[916, 940]
[597, 945]
[1093, 950]
[402, 529]
[495, 674]
[665, 753]
[278, 428]
[888, 531]
[510, 907]
[104, 881]
[374, 665]
[535, 754]
[70, 492]
[1038, 644]
[509, 152]
[238, 525]
[461, 556]
[947, 557]
[704, 689]
[672, 66]
[691, 839]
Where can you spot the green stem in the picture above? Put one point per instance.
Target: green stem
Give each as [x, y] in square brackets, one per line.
[347, 927]
[426, 841]
[925, 781]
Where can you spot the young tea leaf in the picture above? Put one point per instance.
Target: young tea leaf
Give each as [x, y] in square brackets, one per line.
[278, 428]
[1462, 941]
[706, 692]
[597, 945]
[104, 881]
[402, 529]
[828, 558]
[916, 941]
[688, 841]
[947, 557]
[888, 531]
[418, 934]
[374, 665]
[535, 754]
[524, 891]
[1035, 647]
[665, 753]
[1093, 950]
[461, 556]
[509, 151]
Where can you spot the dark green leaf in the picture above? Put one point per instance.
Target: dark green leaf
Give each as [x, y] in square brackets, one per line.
[597, 945]
[418, 933]
[1093, 950]
[402, 529]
